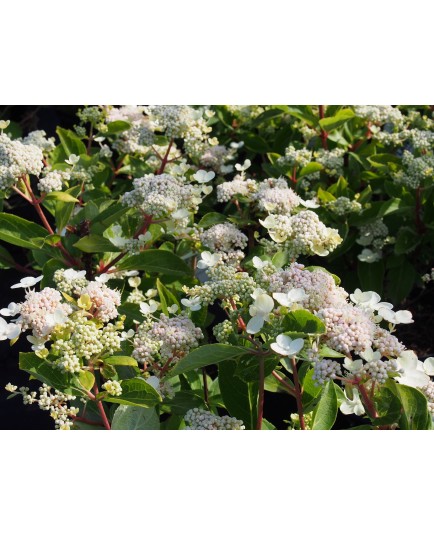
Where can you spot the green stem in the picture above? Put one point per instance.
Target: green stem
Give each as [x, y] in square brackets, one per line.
[261, 393]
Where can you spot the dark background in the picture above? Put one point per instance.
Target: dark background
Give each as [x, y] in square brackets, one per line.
[278, 406]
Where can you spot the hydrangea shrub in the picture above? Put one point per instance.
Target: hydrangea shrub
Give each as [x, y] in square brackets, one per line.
[169, 273]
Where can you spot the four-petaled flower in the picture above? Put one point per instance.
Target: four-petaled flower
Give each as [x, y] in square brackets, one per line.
[203, 176]
[208, 259]
[287, 299]
[27, 282]
[260, 312]
[284, 345]
[193, 304]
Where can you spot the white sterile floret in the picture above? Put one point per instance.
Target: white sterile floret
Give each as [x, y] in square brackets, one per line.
[12, 309]
[149, 308]
[243, 167]
[352, 405]
[9, 331]
[369, 300]
[287, 299]
[72, 159]
[194, 304]
[113, 387]
[27, 282]
[203, 176]
[200, 419]
[369, 256]
[428, 366]
[355, 366]
[284, 345]
[38, 344]
[398, 317]
[411, 370]
[260, 312]
[208, 259]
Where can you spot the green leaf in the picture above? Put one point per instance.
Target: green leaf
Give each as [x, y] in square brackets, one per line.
[183, 401]
[167, 298]
[86, 379]
[95, 244]
[156, 260]
[256, 143]
[6, 259]
[45, 372]
[64, 209]
[248, 367]
[209, 354]
[371, 275]
[210, 219]
[135, 392]
[120, 360]
[62, 196]
[327, 409]
[330, 123]
[118, 126]
[325, 351]
[71, 143]
[415, 414]
[310, 390]
[135, 418]
[400, 279]
[303, 322]
[239, 398]
[20, 232]
[310, 168]
[280, 258]
[406, 240]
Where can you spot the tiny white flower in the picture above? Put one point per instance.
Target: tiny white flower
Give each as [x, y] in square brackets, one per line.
[99, 139]
[149, 308]
[428, 366]
[369, 355]
[354, 405]
[398, 317]
[145, 237]
[206, 190]
[4, 124]
[411, 370]
[134, 281]
[193, 304]
[260, 312]
[235, 145]
[127, 334]
[9, 331]
[203, 176]
[52, 320]
[287, 299]
[118, 241]
[72, 160]
[38, 344]
[258, 263]
[208, 259]
[353, 366]
[70, 274]
[369, 256]
[153, 381]
[244, 166]
[173, 308]
[12, 309]
[310, 203]
[180, 214]
[27, 282]
[130, 273]
[151, 293]
[284, 345]
[369, 300]
[103, 278]
[11, 388]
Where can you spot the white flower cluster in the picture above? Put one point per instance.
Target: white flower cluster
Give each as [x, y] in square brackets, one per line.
[223, 237]
[379, 114]
[274, 196]
[296, 157]
[375, 235]
[39, 139]
[17, 159]
[302, 234]
[238, 186]
[216, 158]
[40, 309]
[416, 170]
[113, 387]
[165, 339]
[245, 112]
[83, 340]
[161, 195]
[333, 161]
[69, 280]
[225, 282]
[181, 121]
[200, 419]
[53, 181]
[55, 402]
[343, 206]
[104, 300]
[325, 370]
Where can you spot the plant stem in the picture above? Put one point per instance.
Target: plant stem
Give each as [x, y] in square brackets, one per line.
[298, 393]
[101, 408]
[261, 392]
[367, 402]
[165, 159]
[288, 387]
[419, 223]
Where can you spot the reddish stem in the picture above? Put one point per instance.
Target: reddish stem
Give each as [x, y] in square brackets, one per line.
[288, 387]
[261, 393]
[324, 134]
[165, 159]
[101, 408]
[367, 402]
[298, 393]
